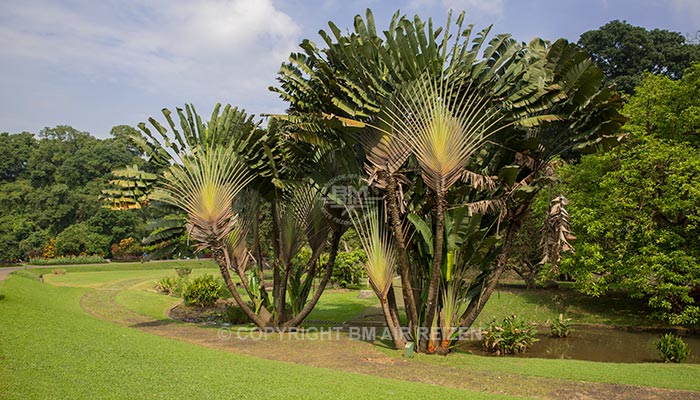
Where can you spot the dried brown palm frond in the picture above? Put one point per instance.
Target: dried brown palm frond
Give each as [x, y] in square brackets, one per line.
[556, 232]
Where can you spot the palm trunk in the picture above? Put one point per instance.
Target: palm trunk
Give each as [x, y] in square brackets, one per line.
[245, 283]
[257, 254]
[432, 301]
[310, 275]
[282, 312]
[276, 284]
[223, 262]
[395, 330]
[394, 312]
[409, 298]
[335, 242]
[476, 305]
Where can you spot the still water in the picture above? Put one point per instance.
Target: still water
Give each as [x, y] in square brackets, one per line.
[599, 344]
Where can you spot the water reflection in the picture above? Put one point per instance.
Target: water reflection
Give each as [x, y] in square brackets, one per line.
[599, 344]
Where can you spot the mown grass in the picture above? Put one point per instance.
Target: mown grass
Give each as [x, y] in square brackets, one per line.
[669, 376]
[96, 279]
[51, 349]
[154, 305]
[541, 305]
[340, 306]
[135, 266]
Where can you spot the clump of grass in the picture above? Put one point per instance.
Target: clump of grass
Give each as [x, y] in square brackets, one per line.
[58, 271]
[203, 291]
[672, 348]
[510, 336]
[183, 272]
[560, 328]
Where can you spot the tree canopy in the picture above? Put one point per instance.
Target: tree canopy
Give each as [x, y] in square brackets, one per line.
[625, 52]
[50, 186]
[636, 209]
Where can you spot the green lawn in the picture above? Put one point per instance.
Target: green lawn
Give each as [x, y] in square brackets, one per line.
[340, 306]
[51, 349]
[540, 305]
[670, 376]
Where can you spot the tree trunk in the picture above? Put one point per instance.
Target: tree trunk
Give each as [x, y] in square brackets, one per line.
[394, 310]
[224, 263]
[276, 279]
[335, 242]
[310, 275]
[396, 334]
[257, 254]
[282, 312]
[409, 296]
[476, 305]
[433, 289]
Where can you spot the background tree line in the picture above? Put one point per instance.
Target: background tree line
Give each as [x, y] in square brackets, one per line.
[50, 186]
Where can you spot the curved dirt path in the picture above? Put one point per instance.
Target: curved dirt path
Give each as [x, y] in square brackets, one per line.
[337, 351]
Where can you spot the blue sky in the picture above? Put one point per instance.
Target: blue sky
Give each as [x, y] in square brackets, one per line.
[95, 64]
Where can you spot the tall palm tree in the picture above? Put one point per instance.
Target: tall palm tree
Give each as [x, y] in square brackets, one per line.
[382, 260]
[205, 186]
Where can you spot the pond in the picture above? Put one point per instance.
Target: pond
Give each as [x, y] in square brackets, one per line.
[599, 344]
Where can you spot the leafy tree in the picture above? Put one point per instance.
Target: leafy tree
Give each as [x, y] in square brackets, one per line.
[636, 210]
[667, 108]
[16, 151]
[81, 238]
[625, 52]
[636, 214]
[53, 181]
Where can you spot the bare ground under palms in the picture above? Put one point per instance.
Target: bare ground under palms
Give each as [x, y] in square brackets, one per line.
[339, 352]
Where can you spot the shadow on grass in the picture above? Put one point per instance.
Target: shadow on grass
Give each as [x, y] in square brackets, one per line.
[153, 324]
[2, 297]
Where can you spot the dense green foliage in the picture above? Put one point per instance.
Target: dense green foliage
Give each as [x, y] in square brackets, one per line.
[349, 269]
[636, 209]
[202, 291]
[625, 52]
[672, 348]
[50, 188]
[512, 335]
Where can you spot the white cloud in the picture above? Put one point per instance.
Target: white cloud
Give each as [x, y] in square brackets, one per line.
[230, 49]
[488, 7]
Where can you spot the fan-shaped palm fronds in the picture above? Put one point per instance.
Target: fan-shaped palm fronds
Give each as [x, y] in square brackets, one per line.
[130, 190]
[377, 242]
[205, 186]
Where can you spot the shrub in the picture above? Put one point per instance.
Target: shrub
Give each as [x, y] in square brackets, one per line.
[560, 328]
[509, 337]
[80, 239]
[672, 348]
[183, 272]
[127, 250]
[349, 269]
[234, 315]
[166, 285]
[68, 260]
[203, 291]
